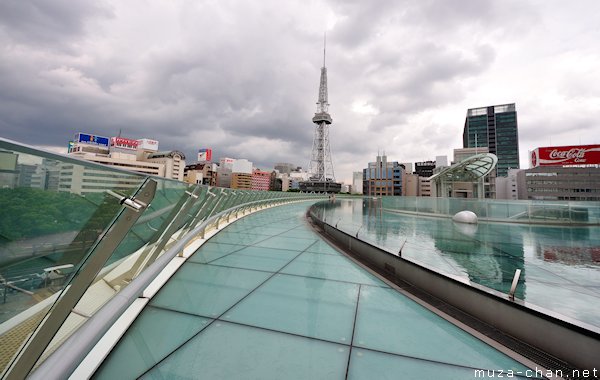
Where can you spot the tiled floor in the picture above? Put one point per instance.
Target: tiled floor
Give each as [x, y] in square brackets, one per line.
[268, 299]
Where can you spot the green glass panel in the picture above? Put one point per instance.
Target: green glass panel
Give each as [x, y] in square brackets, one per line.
[150, 339]
[389, 322]
[330, 267]
[294, 244]
[258, 258]
[210, 251]
[300, 305]
[207, 290]
[228, 351]
[365, 364]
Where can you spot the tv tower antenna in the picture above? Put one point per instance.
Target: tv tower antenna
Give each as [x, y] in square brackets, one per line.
[321, 166]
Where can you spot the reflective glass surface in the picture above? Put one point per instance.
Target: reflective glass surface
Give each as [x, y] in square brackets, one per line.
[298, 309]
[560, 265]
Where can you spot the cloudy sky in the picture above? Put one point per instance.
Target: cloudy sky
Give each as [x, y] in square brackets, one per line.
[242, 76]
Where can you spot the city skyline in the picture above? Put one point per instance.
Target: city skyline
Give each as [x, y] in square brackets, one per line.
[241, 78]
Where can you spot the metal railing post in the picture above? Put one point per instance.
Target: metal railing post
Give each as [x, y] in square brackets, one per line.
[99, 254]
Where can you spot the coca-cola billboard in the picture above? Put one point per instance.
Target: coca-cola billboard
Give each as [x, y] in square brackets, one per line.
[566, 155]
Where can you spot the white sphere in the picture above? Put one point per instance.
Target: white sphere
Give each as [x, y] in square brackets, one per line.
[465, 217]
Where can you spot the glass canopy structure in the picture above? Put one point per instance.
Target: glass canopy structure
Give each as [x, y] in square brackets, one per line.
[471, 169]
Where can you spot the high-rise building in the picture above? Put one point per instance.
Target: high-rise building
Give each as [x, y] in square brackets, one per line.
[494, 127]
[383, 178]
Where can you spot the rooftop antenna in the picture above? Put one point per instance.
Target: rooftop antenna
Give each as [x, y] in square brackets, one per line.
[324, 46]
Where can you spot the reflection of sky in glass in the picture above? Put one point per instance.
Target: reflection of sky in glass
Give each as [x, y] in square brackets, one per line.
[560, 266]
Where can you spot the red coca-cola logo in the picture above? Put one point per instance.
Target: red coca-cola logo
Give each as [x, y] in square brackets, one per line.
[533, 159]
[567, 154]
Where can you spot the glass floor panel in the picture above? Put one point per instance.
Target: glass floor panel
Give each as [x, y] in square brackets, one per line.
[212, 251]
[322, 247]
[303, 320]
[207, 290]
[388, 321]
[295, 244]
[258, 258]
[229, 351]
[310, 307]
[330, 267]
[152, 336]
[367, 364]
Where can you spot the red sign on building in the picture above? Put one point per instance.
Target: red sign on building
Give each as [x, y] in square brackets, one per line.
[566, 155]
[122, 142]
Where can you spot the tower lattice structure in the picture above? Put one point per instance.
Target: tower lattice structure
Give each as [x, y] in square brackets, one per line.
[321, 165]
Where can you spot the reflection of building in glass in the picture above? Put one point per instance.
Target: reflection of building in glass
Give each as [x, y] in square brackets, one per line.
[494, 127]
[8, 170]
[83, 180]
[383, 178]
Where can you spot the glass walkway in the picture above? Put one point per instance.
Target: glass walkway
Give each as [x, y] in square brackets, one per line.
[267, 298]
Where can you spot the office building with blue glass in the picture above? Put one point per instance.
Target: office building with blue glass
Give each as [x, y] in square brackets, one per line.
[494, 127]
[383, 178]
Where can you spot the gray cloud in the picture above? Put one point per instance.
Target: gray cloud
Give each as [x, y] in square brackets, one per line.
[243, 78]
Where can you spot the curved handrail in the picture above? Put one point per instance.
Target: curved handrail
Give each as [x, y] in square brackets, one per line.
[68, 356]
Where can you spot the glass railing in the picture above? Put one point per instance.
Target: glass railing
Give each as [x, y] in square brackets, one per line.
[520, 211]
[559, 264]
[73, 234]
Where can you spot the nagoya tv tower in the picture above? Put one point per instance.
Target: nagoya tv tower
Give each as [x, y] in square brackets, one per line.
[321, 167]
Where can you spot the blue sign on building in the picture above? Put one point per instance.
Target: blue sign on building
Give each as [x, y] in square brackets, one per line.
[92, 139]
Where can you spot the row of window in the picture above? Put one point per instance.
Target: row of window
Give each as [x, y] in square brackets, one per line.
[561, 190]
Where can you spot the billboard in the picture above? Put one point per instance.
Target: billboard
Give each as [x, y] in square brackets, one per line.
[123, 143]
[565, 155]
[205, 155]
[84, 138]
[148, 144]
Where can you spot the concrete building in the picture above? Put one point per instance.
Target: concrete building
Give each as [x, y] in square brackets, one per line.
[241, 166]
[357, 182]
[201, 173]
[569, 183]
[496, 128]
[173, 163]
[241, 181]
[383, 178]
[424, 187]
[506, 187]
[261, 180]
[424, 168]
[129, 154]
[410, 185]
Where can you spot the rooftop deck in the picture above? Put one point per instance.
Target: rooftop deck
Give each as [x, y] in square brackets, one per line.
[268, 298]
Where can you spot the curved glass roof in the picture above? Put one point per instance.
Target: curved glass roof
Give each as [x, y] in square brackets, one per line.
[468, 170]
[267, 298]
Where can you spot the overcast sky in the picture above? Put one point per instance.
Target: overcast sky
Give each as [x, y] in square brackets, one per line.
[242, 77]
